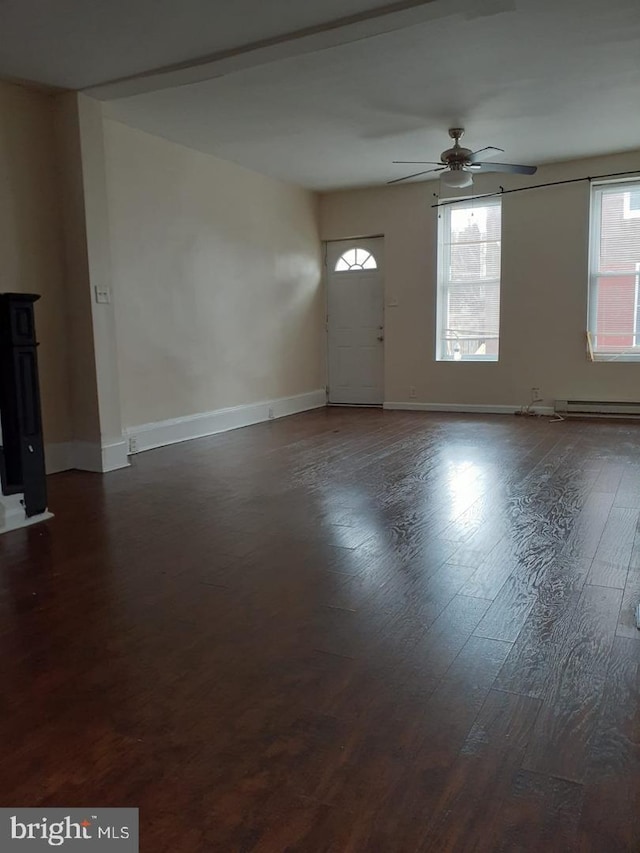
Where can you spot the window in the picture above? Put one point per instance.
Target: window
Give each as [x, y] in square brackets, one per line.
[632, 204]
[614, 280]
[469, 281]
[356, 259]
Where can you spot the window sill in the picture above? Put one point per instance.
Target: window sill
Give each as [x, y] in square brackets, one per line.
[616, 357]
[478, 359]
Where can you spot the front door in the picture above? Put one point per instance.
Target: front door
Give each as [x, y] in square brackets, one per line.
[356, 321]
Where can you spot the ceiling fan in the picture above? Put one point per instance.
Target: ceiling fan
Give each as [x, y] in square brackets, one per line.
[458, 164]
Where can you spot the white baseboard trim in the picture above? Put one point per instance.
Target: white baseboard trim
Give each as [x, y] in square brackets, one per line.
[86, 456]
[58, 456]
[115, 456]
[175, 430]
[466, 408]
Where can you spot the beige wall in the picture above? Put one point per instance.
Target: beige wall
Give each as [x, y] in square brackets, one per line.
[216, 278]
[82, 368]
[31, 256]
[543, 297]
[98, 252]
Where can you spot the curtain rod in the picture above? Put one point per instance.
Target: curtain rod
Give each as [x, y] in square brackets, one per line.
[534, 187]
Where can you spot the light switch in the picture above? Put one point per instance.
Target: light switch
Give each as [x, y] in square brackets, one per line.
[392, 302]
[103, 295]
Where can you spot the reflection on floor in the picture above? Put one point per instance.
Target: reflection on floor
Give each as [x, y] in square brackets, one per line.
[355, 631]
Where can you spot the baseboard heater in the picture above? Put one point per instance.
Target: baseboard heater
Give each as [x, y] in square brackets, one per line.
[597, 409]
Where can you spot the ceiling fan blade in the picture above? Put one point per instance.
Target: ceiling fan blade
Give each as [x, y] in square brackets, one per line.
[507, 167]
[474, 157]
[419, 162]
[415, 175]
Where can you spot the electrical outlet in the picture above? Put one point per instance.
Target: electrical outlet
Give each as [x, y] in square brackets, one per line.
[133, 444]
[536, 394]
[412, 391]
[270, 413]
[103, 295]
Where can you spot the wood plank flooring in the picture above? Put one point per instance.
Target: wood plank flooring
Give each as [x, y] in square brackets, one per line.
[349, 631]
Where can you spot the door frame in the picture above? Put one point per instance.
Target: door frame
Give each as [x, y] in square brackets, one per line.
[325, 278]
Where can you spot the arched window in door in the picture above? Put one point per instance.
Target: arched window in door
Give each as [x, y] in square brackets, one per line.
[356, 259]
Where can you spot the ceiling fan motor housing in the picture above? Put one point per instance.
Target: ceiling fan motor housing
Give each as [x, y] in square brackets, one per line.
[456, 157]
[457, 164]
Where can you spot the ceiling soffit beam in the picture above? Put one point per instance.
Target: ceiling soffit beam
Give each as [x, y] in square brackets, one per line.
[373, 22]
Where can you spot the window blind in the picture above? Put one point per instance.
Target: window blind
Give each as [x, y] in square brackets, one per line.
[469, 247]
[614, 280]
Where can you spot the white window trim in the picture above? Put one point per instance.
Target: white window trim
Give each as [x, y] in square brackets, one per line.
[444, 239]
[636, 306]
[620, 354]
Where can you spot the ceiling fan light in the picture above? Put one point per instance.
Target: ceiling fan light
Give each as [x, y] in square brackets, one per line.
[457, 178]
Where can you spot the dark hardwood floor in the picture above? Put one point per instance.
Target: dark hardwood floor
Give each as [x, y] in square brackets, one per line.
[345, 632]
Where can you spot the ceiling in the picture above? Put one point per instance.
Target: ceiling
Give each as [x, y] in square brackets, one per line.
[75, 44]
[332, 104]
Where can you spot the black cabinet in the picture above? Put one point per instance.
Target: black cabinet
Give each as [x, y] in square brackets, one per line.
[22, 466]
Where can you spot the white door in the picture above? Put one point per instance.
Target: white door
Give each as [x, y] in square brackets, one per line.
[356, 321]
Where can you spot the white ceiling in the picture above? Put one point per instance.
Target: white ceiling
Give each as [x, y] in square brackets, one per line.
[79, 43]
[544, 79]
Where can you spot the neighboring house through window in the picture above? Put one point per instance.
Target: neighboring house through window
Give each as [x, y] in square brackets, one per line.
[631, 205]
[614, 280]
[468, 309]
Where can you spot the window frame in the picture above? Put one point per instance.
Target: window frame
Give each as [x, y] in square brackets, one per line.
[636, 308]
[597, 189]
[444, 286]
